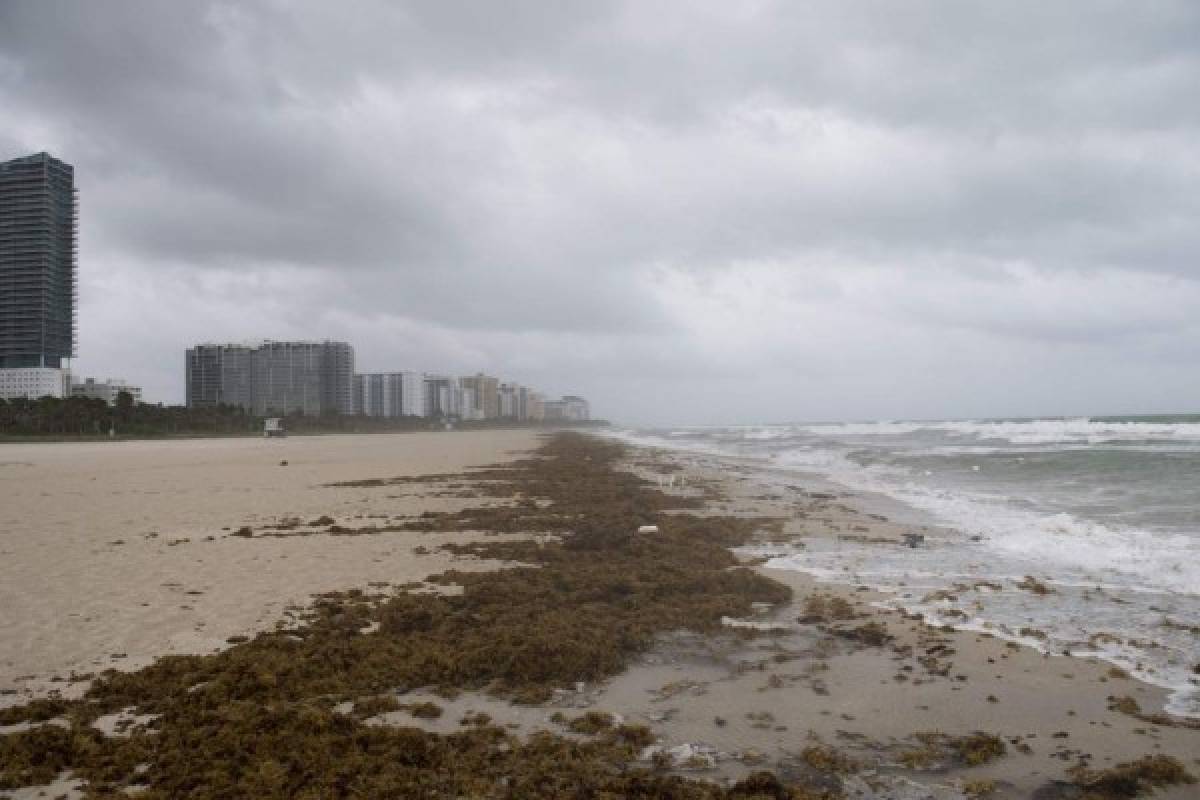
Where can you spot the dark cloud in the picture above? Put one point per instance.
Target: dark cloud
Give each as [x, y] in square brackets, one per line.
[688, 211]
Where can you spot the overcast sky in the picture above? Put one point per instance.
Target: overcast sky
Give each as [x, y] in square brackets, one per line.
[688, 212]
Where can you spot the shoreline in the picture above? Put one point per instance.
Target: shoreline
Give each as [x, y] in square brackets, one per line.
[1059, 706]
[853, 542]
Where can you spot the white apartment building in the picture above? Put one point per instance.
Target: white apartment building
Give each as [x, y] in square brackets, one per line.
[412, 394]
[105, 390]
[34, 382]
[390, 394]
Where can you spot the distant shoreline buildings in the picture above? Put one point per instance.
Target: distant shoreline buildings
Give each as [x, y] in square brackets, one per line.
[317, 378]
[39, 225]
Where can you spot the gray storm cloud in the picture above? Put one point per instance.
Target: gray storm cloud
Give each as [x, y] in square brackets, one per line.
[689, 212]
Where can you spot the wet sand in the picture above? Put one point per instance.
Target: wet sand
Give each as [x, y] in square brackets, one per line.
[764, 702]
[113, 553]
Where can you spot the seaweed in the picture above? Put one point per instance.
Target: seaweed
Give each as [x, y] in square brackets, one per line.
[1032, 584]
[1131, 779]
[592, 722]
[424, 710]
[937, 749]
[829, 759]
[872, 634]
[1130, 707]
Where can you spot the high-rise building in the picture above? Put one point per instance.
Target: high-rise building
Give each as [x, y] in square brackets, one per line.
[436, 388]
[486, 389]
[509, 404]
[390, 394]
[38, 260]
[412, 387]
[535, 407]
[310, 378]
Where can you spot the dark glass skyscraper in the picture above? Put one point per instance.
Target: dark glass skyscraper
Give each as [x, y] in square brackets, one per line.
[38, 224]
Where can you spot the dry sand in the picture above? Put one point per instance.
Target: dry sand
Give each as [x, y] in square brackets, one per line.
[113, 553]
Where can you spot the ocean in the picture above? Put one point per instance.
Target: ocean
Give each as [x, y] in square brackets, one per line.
[1103, 510]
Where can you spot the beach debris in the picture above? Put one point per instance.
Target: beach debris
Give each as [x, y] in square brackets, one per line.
[592, 722]
[762, 720]
[829, 759]
[475, 719]
[980, 788]
[914, 539]
[873, 634]
[823, 608]
[423, 710]
[939, 750]
[1131, 779]
[366, 707]
[1130, 707]
[647, 529]
[1032, 584]
[686, 756]
[755, 625]
[244, 532]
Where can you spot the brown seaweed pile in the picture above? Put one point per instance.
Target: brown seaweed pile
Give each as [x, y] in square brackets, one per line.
[1131, 779]
[260, 719]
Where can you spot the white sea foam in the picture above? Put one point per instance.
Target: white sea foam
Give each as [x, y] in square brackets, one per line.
[1088, 549]
[1080, 430]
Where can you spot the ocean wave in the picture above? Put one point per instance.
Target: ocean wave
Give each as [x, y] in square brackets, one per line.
[1078, 430]
[1090, 549]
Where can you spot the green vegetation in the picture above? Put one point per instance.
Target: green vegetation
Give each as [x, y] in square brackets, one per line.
[90, 418]
[83, 417]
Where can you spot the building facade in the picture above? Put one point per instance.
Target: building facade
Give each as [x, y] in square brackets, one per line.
[390, 394]
[570, 409]
[34, 382]
[38, 263]
[273, 378]
[486, 396]
[412, 389]
[105, 390]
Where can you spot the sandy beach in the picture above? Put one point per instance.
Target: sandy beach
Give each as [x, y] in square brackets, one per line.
[112, 554]
[116, 554]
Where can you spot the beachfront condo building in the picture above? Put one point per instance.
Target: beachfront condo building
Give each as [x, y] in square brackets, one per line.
[451, 398]
[390, 394]
[269, 378]
[39, 220]
[571, 408]
[486, 391]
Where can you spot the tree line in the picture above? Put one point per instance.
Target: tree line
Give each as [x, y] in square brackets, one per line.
[86, 417]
